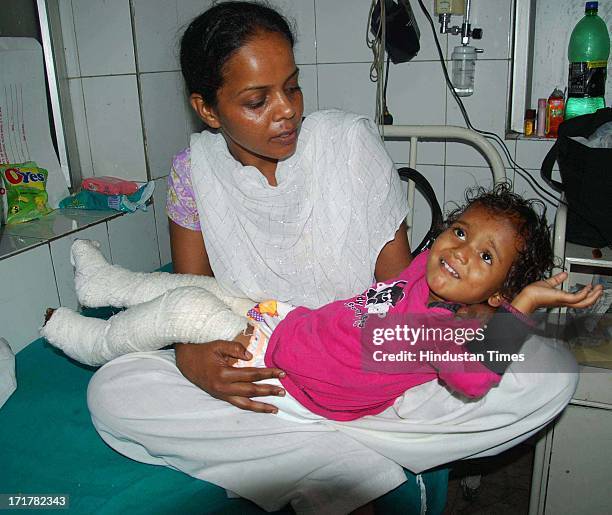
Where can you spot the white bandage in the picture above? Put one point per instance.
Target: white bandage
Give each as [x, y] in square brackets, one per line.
[99, 283]
[181, 315]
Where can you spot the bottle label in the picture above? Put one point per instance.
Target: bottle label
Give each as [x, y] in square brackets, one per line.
[554, 116]
[587, 79]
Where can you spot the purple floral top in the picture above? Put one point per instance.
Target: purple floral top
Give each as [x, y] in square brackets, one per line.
[180, 204]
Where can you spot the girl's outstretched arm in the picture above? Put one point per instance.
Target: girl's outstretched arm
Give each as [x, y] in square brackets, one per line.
[545, 294]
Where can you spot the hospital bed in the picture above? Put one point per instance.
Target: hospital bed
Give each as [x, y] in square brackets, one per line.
[49, 445]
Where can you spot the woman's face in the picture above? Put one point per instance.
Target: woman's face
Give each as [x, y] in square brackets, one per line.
[260, 105]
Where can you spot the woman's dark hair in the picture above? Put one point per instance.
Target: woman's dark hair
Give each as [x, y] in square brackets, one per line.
[536, 256]
[212, 38]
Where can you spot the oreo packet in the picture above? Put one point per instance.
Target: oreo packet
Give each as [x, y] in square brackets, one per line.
[26, 191]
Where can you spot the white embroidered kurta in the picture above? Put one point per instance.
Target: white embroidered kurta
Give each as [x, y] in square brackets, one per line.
[315, 236]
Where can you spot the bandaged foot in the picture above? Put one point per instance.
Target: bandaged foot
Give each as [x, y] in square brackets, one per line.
[189, 315]
[98, 283]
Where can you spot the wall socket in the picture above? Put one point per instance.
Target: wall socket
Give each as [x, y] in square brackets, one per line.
[449, 6]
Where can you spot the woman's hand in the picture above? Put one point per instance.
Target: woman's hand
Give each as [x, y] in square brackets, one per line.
[209, 366]
[544, 294]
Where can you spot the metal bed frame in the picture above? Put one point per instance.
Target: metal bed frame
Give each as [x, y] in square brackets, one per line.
[414, 133]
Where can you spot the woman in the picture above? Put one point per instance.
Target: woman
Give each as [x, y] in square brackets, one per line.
[315, 210]
[244, 83]
[305, 212]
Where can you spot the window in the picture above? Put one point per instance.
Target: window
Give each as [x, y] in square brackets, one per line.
[542, 29]
[39, 19]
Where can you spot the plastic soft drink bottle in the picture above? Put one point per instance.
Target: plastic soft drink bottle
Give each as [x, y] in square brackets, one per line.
[588, 52]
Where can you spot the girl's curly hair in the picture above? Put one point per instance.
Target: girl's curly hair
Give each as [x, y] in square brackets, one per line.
[536, 256]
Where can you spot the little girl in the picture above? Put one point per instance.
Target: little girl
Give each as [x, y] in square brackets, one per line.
[495, 250]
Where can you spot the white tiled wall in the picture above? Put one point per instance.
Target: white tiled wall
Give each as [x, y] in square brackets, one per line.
[341, 31]
[486, 108]
[157, 35]
[139, 40]
[114, 126]
[166, 121]
[28, 288]
[103, 37]
[301, 13]
[133, 241]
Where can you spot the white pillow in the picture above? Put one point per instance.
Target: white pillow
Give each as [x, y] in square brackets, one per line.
[8, 381]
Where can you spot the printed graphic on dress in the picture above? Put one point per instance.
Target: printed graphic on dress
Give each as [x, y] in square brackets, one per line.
[384, 296]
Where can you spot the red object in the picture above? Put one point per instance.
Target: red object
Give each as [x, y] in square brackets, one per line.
[109, 185]
[555, 106]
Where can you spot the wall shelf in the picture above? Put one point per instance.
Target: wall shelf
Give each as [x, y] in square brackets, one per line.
[18, 238]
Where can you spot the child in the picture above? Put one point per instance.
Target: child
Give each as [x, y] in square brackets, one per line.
[495, 250]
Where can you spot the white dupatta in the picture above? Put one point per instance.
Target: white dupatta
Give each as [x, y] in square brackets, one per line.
[314, 237]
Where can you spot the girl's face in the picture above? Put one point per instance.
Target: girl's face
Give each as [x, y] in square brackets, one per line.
[469, 262]
[260, 105]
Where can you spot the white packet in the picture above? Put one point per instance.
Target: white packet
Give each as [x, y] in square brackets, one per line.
[8, 381]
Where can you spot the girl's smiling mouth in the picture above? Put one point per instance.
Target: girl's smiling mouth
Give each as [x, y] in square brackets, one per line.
[449, 269]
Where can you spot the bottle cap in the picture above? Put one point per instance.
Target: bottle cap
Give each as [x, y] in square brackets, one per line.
[542, 103]
[530, 113]
[464, 51]
[591, 6]
[557, 93]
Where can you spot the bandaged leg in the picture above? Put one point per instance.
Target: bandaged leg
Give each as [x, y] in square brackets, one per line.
[190, 315]
[98, 283]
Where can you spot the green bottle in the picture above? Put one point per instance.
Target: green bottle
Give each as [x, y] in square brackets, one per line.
[588, 52]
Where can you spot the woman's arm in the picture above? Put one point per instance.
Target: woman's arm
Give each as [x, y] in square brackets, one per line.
[188, 251]
[209, 366]
[394, 257]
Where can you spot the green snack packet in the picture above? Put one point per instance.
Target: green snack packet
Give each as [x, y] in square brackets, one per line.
[26, 191]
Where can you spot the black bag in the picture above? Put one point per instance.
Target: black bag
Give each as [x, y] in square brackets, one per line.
[402, 32]
[586, 175]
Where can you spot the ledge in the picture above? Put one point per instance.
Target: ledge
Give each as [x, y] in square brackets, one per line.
[522, 137]
[18, 238]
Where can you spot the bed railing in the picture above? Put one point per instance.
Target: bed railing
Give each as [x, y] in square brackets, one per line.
[414, 133]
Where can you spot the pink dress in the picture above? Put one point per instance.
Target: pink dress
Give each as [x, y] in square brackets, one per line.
[321, 350]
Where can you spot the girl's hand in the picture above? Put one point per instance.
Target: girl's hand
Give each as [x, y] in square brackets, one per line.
[544, 294]
[209, 366]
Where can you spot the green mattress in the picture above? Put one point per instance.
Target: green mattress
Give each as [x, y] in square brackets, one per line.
[49, 446]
